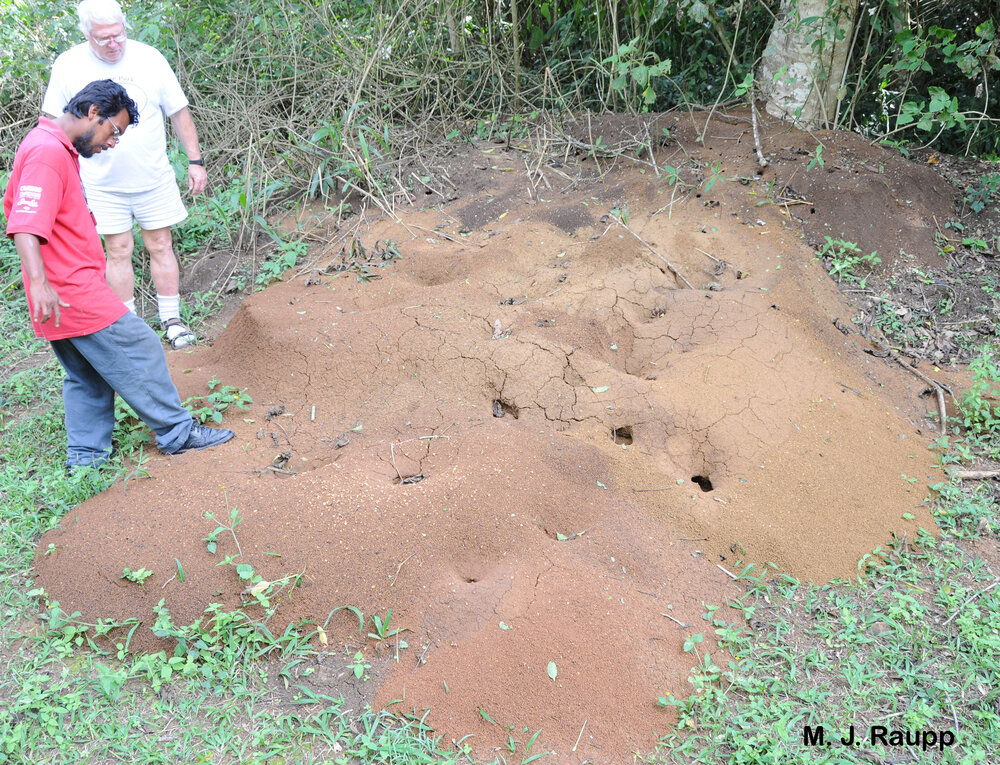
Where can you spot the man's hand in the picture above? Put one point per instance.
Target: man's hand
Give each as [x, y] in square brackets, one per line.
[188, 136]
[46, 302]
[197, 179]
[44, 299]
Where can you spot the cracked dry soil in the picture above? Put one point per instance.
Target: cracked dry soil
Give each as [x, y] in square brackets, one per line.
[651, 435]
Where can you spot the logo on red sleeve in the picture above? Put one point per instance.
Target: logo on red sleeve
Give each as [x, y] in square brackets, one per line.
[28, 198]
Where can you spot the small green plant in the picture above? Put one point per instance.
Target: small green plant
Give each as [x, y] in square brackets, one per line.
[979, 406]
[382, 631]
[844, 258]
[130, 432]
[978, 197]
[139, 576]
[285, 257]
[218, 400]
[257, 587]
[817, 159]
[212, 540]
[359, 665]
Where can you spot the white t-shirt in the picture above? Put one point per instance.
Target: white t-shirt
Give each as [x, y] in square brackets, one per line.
[139, 161]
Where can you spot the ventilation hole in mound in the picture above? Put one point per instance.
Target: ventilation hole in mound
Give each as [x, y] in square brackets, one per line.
[470, 579]
[501, 409]
[697, 196]
[408, 480]
[622, 435]
[703, 481]
[812, 210]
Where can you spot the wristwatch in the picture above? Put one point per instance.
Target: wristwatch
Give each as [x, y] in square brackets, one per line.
[200, 162]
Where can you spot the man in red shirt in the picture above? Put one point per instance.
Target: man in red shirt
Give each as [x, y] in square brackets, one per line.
[103, 347]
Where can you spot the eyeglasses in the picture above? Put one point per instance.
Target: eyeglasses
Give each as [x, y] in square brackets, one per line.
[103, 42]
[117, 134]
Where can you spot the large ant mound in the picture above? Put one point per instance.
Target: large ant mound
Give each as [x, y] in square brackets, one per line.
[560, 420]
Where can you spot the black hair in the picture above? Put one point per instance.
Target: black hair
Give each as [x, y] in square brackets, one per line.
[108, 96]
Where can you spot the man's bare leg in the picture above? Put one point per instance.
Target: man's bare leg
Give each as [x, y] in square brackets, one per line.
[119, 273]
[166, 278]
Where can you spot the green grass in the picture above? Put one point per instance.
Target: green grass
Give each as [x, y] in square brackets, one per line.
[915, 647]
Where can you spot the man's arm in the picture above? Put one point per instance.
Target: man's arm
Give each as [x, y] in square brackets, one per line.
[45, 300]
[188, 136]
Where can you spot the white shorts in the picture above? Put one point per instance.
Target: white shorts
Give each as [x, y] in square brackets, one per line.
[157, 208]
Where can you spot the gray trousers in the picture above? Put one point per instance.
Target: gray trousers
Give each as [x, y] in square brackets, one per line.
[126, 358]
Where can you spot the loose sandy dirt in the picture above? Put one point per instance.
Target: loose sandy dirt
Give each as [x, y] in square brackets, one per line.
[535, 443]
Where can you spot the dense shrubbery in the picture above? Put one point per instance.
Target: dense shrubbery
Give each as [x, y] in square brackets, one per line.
[331, 92]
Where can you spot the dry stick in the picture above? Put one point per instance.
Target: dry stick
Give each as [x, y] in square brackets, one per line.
[682, 624]
[673, 270]
[441, 234]
[580, 736]
[392, 454]
[400, 568]
[403, 189]
[532, 193]
[725, 571]
[975, 475]
[971, 598]
[717, 260]
[274, 469]
[418, 179]
[278, 425]
[938, 387]
[756, 134]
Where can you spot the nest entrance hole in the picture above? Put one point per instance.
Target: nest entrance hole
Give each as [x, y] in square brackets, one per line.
[622, 434]
[703, 481]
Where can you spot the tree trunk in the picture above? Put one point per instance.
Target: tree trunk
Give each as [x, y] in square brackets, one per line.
[802, 72]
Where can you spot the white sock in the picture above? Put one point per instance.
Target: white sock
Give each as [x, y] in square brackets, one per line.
[169, 306]
[130, 304]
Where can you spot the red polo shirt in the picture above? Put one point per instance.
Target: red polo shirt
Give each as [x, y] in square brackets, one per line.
[44, 197]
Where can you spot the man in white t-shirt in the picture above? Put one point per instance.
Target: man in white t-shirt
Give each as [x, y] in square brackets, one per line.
[136, 182]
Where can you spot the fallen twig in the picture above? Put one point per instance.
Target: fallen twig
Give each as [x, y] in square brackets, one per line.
[717, 260]
[726, 571]
[975, 475]
[650, 247]
[756, 133]
[278, 425]
[398, 569]
[424, 183]
[738, 271]
[580, 736]
[938, 387]
[442, 234]
[971, 598]
[678, 621]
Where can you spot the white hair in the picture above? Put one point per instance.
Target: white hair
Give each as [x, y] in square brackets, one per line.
[93, 12]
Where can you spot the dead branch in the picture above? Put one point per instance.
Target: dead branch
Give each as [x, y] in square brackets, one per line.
[971, 598]
[975, 475]
[650, 247]
[938, 387]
